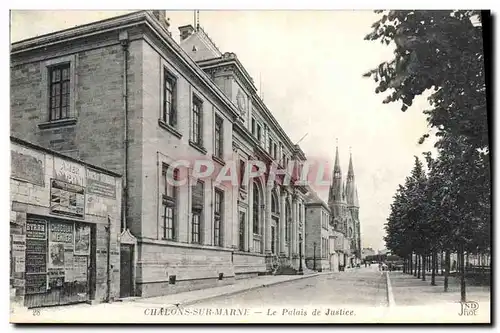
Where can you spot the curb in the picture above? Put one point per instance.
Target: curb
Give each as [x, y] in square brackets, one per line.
[390, 295]
[232, 293]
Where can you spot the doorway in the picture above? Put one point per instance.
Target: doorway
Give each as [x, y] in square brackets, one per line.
[126, 261]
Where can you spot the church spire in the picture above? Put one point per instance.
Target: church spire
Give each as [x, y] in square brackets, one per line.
[351, 190]
[350, 171]
[336, 169]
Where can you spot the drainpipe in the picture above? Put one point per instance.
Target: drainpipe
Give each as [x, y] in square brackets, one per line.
[124, 40]
[108, 275]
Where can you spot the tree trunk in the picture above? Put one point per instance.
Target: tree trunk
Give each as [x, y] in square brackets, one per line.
[424, 264]
[433, 268]
[446, 269]
[411, 264]
[462, 275]
[441, 263]
[414, 265]
[419, 266]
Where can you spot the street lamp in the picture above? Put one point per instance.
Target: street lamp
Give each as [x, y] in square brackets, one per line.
[314, 256]
[300, 256]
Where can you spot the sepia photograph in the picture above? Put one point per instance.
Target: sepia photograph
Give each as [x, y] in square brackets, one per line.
[180, 166]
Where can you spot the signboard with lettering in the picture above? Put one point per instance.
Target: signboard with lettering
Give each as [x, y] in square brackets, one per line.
[28, 167]
[61, 233]
[68, 172]
[36, 229]
[100, 184]
[67, 199]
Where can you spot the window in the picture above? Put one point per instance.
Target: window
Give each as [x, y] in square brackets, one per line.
[59, 92]
[218, 137]
[253, 126]
[241, 244]
[219, 199]
[242, 173]
[270, 146]
[196, 132]
[169, 203]
[275, 152]
[169, 99]
[259, 133]
[256, 204]
[196, 210]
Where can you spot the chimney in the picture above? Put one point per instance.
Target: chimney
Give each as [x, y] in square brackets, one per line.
[186, 31]
[161, 16]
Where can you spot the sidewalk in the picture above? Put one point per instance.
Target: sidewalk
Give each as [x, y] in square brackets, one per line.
[408, 290]
[84, 310]
[240, 286]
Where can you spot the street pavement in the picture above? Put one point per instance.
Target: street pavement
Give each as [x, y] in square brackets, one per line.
[374, 296]
[364, 286]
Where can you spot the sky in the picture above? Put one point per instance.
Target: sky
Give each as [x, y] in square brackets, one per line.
[308, 67]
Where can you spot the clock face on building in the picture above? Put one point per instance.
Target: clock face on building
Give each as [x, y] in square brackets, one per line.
[242, 105]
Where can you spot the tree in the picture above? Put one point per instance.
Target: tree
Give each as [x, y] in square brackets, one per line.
[442, 52]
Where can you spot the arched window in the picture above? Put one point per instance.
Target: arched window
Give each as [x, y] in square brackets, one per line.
[256, 204]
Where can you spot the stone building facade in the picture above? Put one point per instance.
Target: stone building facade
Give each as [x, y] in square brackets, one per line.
[64, 229]
[121, 93]
[318, 252]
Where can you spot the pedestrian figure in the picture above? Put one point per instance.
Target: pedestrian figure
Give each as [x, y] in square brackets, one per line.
[379, 266]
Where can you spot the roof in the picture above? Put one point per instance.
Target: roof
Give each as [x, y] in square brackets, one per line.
[312, 199]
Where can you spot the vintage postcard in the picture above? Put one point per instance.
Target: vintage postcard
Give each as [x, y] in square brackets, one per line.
[196, 166]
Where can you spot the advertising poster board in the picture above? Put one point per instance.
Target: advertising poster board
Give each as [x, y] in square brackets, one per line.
[36, 256]
[80, 268]
[100, 184]
[67, 199]
[82, 240]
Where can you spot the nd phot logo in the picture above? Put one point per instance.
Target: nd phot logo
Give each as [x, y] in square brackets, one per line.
[469, 308]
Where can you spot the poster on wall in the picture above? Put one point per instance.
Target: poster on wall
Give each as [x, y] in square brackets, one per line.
[18, 243]
[67, 199]
[82, 240]
[19, 264]
[56, 256]
[68, 262]
[100, 184]
[36, 283]
[29, 166]
[80, 268]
